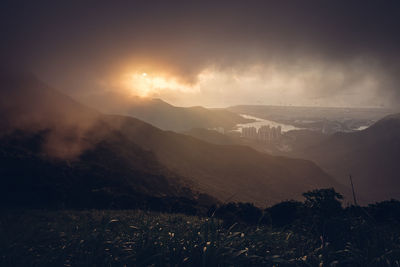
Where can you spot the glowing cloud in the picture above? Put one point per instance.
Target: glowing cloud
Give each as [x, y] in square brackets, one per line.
[148, 85]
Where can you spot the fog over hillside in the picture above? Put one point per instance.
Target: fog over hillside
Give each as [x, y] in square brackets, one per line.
[200, 133]
[224, 172]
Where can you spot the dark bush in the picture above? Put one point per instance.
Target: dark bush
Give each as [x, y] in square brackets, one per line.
[238, 212]
[323, 202]
[385, 211]
[284, 213]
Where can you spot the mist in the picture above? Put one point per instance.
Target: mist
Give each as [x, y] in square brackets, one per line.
[225, 53]
[200, 133]
[29, 106]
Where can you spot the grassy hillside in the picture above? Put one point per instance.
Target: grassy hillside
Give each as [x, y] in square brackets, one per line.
[137, 238]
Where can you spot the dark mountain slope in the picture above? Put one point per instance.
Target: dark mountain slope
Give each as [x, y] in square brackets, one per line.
[103, 176]
[57, 153]
[371, 156]
[212, 136]
[227, 171]
[235, 172]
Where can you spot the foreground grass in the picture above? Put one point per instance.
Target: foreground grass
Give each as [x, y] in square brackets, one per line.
[138, 238]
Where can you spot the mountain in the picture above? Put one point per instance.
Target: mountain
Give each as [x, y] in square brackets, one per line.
[107, 175]
[371, 156]
[327, 120]
[212, 136]
[141, 156]
[163, 115]
[227, 171]
[55, 153]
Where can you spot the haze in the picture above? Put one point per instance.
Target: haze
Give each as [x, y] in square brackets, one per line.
[200, 133]
[213, 54]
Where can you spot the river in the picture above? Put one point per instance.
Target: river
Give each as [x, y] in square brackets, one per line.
[262, 122]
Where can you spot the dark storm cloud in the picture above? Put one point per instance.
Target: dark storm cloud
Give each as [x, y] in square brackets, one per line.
[85, 40]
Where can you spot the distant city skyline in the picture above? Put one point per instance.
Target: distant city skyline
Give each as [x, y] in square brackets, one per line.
[264, 133]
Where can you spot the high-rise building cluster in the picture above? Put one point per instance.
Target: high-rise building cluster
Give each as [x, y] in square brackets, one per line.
[220, 130]
[264, 133]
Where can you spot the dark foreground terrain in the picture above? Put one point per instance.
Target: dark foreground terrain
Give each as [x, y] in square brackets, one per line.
[313, 233]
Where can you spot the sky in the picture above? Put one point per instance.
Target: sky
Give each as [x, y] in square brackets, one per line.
[211, 53]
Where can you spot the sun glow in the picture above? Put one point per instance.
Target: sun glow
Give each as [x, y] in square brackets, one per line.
[147, 85]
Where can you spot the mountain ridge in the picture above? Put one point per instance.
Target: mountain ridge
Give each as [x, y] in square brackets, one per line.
[224, 172]
[162, 114]
[370, 156]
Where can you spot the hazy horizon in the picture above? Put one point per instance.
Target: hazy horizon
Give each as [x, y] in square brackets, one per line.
[200, 133]
[213, 54]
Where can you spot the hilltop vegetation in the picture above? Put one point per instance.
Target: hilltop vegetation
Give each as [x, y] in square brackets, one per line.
[316, 232]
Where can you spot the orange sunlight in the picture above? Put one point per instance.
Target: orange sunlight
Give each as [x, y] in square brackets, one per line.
[147, 85]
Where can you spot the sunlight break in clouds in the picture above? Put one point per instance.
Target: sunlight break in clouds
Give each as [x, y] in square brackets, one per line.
[309, 84]
[148, 85]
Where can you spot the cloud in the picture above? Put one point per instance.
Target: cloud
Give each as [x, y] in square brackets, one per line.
[334, 49]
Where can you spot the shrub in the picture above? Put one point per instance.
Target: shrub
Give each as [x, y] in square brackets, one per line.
[284, 213]
[323, 202]
[238, 212]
